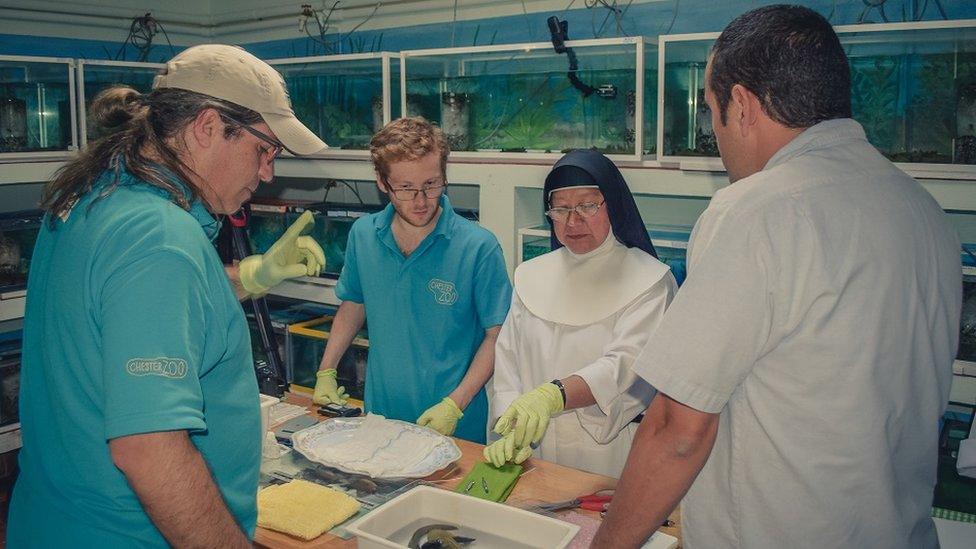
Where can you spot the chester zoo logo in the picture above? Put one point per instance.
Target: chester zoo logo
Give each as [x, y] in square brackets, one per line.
[162, 366]
[444, 292]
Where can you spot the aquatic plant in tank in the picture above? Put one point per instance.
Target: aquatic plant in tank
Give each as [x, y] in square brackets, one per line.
[523, 100]
[18, 233]
[341, 101]
[687, 118]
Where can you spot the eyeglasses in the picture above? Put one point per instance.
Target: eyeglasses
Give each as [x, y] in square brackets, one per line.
[276, 146]
[430, 190]
[586, 209]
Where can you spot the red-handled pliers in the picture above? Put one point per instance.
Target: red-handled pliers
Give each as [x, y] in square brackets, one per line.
[591, 502]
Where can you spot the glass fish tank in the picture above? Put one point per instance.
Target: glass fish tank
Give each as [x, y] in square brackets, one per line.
[96, 76]
[684, 119]
[913, 89]
[519, 99]
[967, 326]
[18, 233]
[10, 356]
[964, 222]
[271, 218]
[37, 109]
[670, 243]
[304, 345]
[344, 99]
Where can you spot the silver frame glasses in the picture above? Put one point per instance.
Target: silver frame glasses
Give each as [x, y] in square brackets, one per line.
[561, 215]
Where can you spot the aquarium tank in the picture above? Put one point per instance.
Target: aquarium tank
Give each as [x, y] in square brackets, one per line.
[686, 128]
[305, 345]
[96, 76]
[913, 89]
[36, 108]
[520, 99]
[670, 243]
[343, 99]
[18, 233]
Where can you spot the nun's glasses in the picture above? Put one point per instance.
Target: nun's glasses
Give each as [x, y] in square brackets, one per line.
[586, 209]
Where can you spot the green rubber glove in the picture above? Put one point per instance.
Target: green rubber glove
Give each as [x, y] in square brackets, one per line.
[528, 417]
[293, 255]
[441, 417]
[326, 391]
[504, 450]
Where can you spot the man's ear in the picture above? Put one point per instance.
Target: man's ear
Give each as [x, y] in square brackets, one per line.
[380, 185]
[206, 127]
[746, 108]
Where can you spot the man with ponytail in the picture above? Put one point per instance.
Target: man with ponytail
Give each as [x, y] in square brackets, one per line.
[139, 405]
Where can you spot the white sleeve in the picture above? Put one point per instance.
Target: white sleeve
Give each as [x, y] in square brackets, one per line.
[507, 385]
[620, 393]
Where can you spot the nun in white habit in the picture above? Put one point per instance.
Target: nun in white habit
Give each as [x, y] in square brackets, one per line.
[563, 387]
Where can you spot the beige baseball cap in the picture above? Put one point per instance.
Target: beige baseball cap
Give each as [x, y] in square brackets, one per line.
[232, 74]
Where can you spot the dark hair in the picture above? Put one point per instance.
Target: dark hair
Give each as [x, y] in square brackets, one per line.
[132, 124]
[790, 58]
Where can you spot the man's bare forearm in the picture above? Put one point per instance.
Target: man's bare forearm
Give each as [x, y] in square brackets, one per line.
[233, 274]
[176, 489]
[671, 446]
[348, 321]
[480, 371]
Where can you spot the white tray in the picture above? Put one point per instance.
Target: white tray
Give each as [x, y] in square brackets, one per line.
[493, 525]
[329, 433]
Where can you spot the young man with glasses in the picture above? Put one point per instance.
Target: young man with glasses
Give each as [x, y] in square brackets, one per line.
[139, 404]
[432, 286]
[579, 316]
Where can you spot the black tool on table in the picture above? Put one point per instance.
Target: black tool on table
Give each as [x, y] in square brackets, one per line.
[336, 410]
[270, 373]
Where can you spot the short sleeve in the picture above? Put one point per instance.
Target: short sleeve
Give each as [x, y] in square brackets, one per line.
[349, 287]
[153, 318]
[713, 333]
[493, 290]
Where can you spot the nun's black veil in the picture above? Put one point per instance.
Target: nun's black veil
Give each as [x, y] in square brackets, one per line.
[587, 167]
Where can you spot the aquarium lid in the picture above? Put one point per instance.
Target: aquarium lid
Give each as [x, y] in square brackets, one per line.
[232, 74]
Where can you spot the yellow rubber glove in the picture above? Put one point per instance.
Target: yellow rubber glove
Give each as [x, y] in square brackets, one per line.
[293, 255]
[441, 417]
[326, 391]
[528, 417]
[504, 449]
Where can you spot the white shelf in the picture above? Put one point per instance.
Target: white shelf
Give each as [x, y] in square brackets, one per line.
[314, 289]
[39, 171]
[10, 438]
[12, 305]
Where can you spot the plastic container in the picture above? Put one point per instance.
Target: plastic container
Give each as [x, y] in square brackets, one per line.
[493, 525]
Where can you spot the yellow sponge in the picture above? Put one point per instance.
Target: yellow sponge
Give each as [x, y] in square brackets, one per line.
[303, 509]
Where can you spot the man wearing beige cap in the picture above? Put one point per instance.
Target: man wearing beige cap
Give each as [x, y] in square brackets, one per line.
[139, 404]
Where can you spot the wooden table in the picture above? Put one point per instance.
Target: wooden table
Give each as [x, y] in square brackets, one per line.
[542, 481]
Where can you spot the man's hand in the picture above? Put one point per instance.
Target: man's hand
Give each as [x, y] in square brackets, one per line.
[293, 255]
[326, 391]
[441, 417]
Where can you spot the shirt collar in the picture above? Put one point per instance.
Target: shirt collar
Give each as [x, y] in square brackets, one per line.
[199, 212]
[815, 137]
[445, 223]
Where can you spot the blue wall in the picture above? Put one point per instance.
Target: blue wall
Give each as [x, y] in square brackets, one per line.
[16, 44]
[649, 19]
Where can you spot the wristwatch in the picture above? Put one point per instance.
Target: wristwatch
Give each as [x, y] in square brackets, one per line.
[562, 390]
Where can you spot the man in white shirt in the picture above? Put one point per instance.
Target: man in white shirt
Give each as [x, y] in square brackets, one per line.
[804, 364]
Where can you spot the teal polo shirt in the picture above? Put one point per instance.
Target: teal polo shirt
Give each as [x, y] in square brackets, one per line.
[427, 313]
[131, 327]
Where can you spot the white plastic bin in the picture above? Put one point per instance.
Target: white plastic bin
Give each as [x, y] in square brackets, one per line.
[493, 525]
